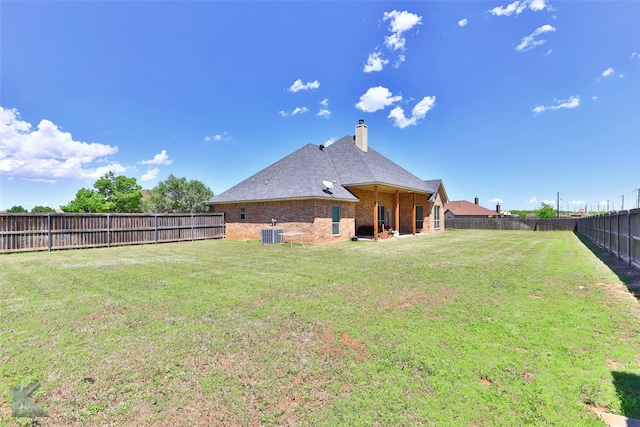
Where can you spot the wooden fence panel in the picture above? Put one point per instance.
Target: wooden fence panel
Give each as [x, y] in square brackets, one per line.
[535, 224]
[36, 232]
[617, 232]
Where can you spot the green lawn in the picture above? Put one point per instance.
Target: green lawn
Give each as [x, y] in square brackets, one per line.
[465, 328]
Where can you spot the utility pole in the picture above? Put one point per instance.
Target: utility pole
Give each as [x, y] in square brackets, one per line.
[622, 208]
[638, 202]
[558, 205]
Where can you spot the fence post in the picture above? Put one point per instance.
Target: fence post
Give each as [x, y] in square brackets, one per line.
[108, 230]
[192, 226]
[629, 237]
[49, 231]
[618, 235]
[609, 233]
[155, 233]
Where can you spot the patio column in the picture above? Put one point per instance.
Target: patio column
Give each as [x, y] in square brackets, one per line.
[375, 212]
[397, 214]
[413, 215]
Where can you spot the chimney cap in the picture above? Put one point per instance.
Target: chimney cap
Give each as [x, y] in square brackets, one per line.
[361, 121]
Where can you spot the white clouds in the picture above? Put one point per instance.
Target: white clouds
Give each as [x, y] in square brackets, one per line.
[379, 97]
[48, 153]
[608, 72]
[324, 111]
[151, 174]
[463, 22]
[299, 110]
[529, 42]
[577, 202]
[496, 200]
[158, 159]
[219, 137]
[376, 98]
[518, 7]
[572, 102]
[375, 62]
[399, 23]
[533, 201]
[635, 55]
[298, 86]
[418, 113]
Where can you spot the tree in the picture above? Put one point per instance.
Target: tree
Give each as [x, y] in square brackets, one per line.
[17, 209]
[177, 195]
[112, 194]
[546, 211]
[42, 209]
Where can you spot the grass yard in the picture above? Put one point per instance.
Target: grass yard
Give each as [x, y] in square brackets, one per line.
[465, 328]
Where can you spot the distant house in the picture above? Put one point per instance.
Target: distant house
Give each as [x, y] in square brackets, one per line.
[332, 193]
[466, 209]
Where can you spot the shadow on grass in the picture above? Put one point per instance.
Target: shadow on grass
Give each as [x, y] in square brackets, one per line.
[628, 275]
[628, 390]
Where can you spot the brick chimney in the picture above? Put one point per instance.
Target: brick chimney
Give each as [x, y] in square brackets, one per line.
[362, 136]
[477, 201]
[498, 208]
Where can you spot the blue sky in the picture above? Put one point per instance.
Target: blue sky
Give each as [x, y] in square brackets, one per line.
[511, 102]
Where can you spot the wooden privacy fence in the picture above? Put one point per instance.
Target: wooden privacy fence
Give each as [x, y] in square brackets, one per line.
[535, 224]
[618, 232]
[38, 232]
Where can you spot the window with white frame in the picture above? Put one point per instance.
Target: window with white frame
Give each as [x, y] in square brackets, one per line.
[242, 213]
[436, 216]
[335, 220]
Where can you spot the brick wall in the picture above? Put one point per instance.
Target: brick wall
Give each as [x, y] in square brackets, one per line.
[310, 217]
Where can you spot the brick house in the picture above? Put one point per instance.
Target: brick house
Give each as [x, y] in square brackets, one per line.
[332, 194]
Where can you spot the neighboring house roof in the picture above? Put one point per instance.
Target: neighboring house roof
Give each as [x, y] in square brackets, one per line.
[466, 208]
[300, 175]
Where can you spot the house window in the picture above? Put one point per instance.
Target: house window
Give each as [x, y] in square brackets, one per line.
[242, 214]
[436, 216]
[419, 217]
[335, 220]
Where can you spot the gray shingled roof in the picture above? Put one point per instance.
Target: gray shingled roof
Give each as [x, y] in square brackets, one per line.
[300, 175]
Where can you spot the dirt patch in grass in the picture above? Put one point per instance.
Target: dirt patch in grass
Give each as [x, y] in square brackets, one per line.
[345, 347]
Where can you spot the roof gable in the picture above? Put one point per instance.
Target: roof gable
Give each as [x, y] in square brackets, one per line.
[357, 167]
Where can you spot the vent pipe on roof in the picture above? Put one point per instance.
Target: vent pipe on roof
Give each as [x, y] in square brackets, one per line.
[498, 208]
[362, 136]
[477, 201]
